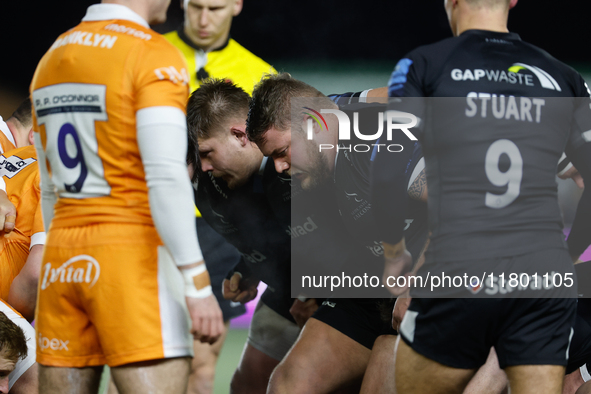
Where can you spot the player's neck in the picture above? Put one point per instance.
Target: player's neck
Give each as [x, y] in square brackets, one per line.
[482, 20]
[15, 129]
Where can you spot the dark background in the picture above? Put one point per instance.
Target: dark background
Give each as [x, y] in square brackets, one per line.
[339, 33]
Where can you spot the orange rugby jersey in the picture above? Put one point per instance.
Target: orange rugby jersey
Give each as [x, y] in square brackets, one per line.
[85, 102]
[6, 138]
[20, 171]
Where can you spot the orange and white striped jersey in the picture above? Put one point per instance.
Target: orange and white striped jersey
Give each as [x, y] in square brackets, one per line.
[20, 171]
[85, 105]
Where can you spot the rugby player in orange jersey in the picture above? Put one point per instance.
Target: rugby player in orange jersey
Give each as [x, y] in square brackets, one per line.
[109, 99]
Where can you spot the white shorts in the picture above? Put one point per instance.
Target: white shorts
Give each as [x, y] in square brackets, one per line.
[21, 365]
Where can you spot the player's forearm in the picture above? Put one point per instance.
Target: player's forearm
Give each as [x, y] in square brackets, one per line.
[48, 195]
[580, 235]
[23, 290]
[162, 140]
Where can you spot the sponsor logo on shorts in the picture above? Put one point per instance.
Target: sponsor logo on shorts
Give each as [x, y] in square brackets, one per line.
[79, 269]
[53, 343]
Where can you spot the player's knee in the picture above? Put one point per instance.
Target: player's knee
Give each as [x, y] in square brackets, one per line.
[245, 382]
[285, 380]
[205, 374]
[201, 380]
[585, 388]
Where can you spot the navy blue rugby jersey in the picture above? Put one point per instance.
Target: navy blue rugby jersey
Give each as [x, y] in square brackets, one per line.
[498, 113]
[352, 184]
[245, 219]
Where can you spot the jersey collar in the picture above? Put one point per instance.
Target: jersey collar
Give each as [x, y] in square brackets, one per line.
[181, 32]
[102, 12]
[509, 35]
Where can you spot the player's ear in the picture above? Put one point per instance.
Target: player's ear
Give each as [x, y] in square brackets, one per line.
[31, 137]
[239, 132]
[237, 7]
[512, 3]
[310, 126]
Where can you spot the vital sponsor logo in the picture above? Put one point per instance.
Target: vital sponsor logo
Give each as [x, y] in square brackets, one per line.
[53, 344]
[79, 269]
[512, 76]
[86, 39]
[254, 257]
[172, 74]
[12, 165]
[329, 303]
[307, 227]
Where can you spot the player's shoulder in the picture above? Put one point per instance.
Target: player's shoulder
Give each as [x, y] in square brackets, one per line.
[434, 50]
[24, 152]
[250, 61]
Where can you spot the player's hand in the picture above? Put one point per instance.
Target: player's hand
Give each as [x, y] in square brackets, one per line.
[302, 310]
[398, 263]
[573, 173]
[400, 307]
[7, 214]
[240, 290]
[207, 323]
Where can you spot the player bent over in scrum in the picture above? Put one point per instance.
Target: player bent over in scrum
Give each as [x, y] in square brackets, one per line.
[236, 190]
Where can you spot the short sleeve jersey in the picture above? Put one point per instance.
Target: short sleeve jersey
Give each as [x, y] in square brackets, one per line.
[491, 152]
[85, 110]
[21, 173]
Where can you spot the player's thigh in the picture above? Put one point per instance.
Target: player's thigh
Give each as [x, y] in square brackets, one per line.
[60, 380]
[489, 379]
[417, 374]
[584, 389]
[159, 376]
[379, 375]
[323, 359]
[538, 379]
